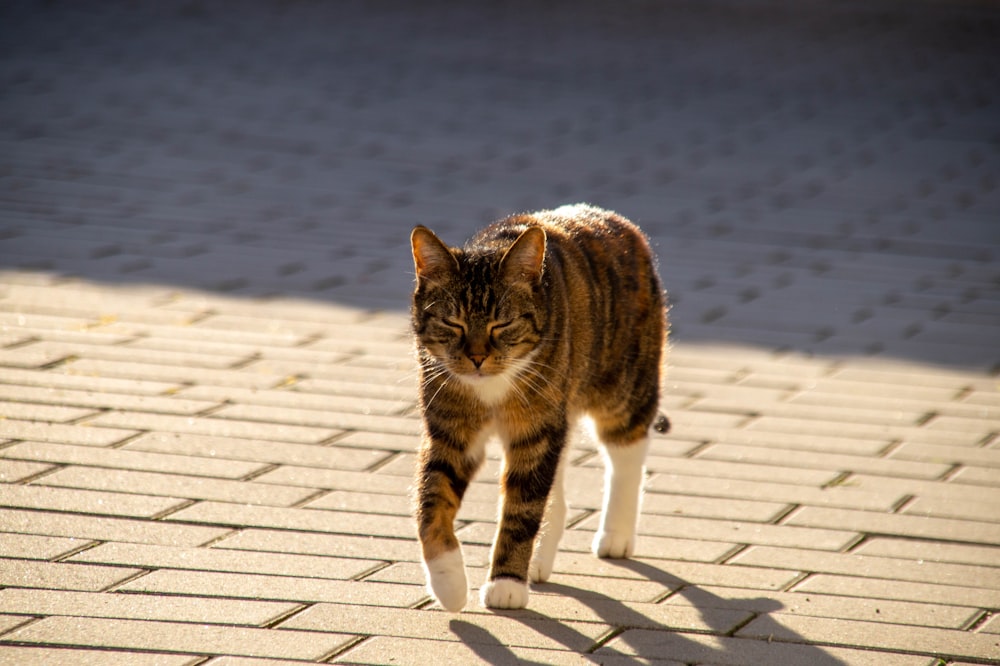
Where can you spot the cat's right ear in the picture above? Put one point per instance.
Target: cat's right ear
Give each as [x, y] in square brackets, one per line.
[431, 258]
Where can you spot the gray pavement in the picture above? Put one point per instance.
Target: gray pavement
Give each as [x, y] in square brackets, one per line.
[206, 390]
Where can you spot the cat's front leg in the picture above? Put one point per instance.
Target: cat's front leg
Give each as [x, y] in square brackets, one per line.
[443, 474]
[530, 468]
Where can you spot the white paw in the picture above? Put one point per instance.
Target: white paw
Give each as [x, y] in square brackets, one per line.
[504, 593]
[614, 545]
[446, 580]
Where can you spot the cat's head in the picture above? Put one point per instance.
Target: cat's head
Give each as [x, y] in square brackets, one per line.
[479, 311]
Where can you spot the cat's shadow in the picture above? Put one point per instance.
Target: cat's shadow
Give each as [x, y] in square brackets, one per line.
[614, 612]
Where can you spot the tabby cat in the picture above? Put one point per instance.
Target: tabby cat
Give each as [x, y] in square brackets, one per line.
[539, 320]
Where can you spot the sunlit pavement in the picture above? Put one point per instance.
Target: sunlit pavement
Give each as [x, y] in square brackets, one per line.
[207, 392]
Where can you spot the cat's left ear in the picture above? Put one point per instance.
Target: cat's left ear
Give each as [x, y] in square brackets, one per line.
[523, 261]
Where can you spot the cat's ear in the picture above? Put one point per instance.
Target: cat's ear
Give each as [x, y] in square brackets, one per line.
[523, 261]
[431, 258]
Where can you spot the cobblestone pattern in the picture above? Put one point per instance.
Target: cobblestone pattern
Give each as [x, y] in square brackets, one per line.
[207, 423]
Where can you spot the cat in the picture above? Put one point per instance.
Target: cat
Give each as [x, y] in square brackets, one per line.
[539, 320]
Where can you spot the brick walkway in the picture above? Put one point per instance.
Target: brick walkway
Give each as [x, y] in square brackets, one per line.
[206, 384]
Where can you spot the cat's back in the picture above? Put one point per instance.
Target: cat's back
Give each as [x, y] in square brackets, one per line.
[592, 249]
[579, 232]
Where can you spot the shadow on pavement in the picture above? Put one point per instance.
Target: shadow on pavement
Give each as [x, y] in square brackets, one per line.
[654, 640]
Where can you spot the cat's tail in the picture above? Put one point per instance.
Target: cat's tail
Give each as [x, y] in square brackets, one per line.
[661, 424]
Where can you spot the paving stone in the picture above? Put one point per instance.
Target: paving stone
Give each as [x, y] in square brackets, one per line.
[63, 434]
[103, 528]
[214, 427]
[525, 631]
[234, 448]
[955, 455]
[898, 524]
[346, 480]
[298, 400]
[176, 637]
[102, 400]
[415, 652]
[275, 588]
[101, 388]
[150, 556]
[190, 487]
[174, 374]
[986, 511]
[25, 411]
[187, 359]
[736, 470]
[12, 471]
[330, 419]
[699, 648]
[834, 496]
[315, 543]
[134, 460]
[862, 566]
[929, 550]
[11, 655]
[59, 576]
[86, 501]
[873, 588]
[33, 546]
[981, 476]
[830, 461]
[823, 605]
[306, 520]
[141, 607]
[933, 642]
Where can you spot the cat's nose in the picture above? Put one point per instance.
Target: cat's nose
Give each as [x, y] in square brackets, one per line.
[477, 359]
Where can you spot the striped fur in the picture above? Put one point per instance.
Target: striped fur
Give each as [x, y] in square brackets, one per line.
[539, 320]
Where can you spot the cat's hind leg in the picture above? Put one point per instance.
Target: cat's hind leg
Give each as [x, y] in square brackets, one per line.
[551, 531]
[623, 479]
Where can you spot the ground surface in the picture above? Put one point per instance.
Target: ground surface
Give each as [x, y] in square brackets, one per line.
[206, 384]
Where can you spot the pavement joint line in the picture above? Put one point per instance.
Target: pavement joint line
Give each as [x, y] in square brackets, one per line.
[731, 553]
[116, 586]
[121, 444]
[389, 458]
[887, 450]
[605, 638]
[215, 541]
[381, 566]
[287, 615]
[740, 625]
[343, 650]
[322, 492]
[259, 472]
[902, 503]
[784, 515]
[174, 509]
[981, 619]
[951, 473]
[584, 515]
[209, 411]
[76, 551]
[27, 621]
[860, 541]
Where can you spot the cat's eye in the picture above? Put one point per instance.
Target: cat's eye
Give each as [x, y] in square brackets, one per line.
[451, 323]
[496, 328]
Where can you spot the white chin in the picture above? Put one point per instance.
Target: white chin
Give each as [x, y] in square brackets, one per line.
[491, 389]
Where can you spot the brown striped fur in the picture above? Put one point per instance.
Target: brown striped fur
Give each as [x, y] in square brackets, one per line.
[538, 320]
